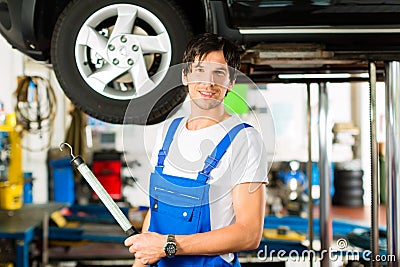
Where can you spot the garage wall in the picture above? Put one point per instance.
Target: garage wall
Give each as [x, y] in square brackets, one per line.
[12, 65]
[290, 118]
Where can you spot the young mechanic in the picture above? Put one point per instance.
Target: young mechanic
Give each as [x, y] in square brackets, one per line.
[207, 192]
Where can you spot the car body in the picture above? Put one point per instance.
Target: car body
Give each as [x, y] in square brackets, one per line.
[77, 38]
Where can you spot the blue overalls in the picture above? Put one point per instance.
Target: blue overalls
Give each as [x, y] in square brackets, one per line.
[180, 205]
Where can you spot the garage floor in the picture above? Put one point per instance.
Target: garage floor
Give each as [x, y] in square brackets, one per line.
[360, 215]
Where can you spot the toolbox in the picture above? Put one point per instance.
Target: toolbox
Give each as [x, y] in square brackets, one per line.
[63, 184]
[106, 167]
[11, 196]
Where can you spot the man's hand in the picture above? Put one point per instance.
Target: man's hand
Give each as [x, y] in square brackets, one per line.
[137, 263]
[147, 247]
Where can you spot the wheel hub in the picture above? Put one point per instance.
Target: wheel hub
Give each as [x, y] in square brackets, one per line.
[123, 51]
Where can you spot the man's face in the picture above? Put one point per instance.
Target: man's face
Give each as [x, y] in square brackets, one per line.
[208, 81]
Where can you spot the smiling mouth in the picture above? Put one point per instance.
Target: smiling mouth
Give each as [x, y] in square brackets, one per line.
[206, 94]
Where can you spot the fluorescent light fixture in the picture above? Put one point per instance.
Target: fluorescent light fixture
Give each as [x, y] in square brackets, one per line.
[322, 76]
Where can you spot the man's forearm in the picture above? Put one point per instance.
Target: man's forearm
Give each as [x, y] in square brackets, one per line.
[244, 234]
[146, 222]
[232, 238]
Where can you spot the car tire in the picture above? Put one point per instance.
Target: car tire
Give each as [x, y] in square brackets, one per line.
[356, 182]
[87, 72]
[349, 192]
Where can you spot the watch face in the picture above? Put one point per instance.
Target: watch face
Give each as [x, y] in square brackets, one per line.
[170, 249]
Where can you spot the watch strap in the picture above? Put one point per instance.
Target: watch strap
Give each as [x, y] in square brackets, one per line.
[171, 238]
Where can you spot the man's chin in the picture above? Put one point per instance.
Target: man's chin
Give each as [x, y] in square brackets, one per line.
[206, 103]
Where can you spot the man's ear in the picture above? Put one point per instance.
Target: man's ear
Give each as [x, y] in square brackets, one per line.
[231, 84]
[184, 79]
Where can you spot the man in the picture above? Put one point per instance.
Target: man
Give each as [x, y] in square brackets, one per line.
[207, 193]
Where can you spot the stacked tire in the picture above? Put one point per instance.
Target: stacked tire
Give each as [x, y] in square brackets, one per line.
[349, 190]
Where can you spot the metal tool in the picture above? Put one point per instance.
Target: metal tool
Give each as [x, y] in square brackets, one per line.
[116, 212]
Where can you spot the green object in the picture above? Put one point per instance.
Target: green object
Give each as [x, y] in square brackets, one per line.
[235, 101]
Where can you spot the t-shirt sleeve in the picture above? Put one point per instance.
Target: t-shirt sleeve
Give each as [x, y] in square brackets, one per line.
[249, 158]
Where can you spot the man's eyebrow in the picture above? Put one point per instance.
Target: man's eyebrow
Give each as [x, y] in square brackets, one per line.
[222, 68]
[201, 64]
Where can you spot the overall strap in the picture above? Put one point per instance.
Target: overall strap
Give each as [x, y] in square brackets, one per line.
[162, 154]
[213, 159]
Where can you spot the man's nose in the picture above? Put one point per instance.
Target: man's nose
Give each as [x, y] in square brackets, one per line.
[208, 78]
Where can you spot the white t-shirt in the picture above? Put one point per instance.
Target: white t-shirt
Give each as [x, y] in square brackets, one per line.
[244, 161]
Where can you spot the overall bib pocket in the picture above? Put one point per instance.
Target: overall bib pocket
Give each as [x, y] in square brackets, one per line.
[172, 203]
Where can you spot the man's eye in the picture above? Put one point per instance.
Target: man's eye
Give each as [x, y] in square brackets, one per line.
[198, 70]
[220, 73]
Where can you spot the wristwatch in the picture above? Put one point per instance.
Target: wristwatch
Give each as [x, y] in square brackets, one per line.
[170, 247]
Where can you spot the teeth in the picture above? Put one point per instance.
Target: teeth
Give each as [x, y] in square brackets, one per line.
[206, 93]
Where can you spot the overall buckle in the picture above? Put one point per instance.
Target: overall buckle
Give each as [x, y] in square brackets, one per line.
[211, 162]
[161, 157]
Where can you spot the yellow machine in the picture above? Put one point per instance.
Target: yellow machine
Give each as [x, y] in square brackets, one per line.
[11, 174]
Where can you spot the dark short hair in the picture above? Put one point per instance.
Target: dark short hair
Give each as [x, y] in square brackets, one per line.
[200, 45]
